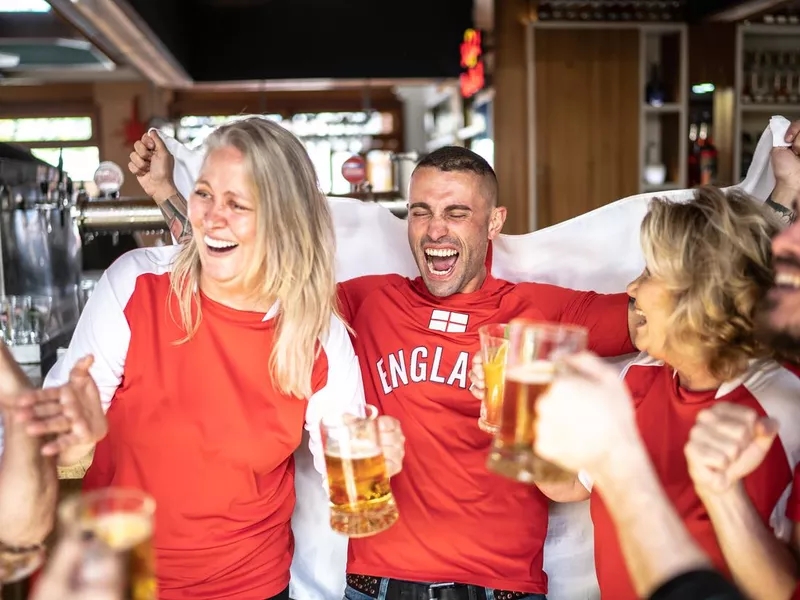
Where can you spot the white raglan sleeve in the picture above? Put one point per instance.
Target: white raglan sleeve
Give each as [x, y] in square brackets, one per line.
[102, 331]
[343, 392]
[320, 554]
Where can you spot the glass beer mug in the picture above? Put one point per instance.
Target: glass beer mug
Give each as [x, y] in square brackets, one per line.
[494, 349]
[361, 499]
[123, 520]
[533, 353]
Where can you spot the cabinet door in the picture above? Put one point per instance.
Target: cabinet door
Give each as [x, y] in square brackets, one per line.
[587, 119]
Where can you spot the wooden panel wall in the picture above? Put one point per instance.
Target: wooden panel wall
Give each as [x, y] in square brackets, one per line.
[511, 113]
[587, 120]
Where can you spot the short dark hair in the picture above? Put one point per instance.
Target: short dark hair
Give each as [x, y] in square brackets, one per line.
[462, 160]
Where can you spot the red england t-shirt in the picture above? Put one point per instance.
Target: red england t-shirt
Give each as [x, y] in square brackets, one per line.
[458, 521]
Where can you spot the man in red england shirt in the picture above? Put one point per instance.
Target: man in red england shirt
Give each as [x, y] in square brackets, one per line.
[463, 532]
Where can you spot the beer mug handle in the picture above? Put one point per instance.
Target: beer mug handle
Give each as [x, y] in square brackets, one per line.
[393, 444]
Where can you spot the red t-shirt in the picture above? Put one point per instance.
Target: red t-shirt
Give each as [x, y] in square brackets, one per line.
[458, 522]
[202, 428]
[665, 414]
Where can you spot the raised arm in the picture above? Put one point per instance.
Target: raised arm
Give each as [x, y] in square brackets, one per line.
[786, 167]
[153, 165]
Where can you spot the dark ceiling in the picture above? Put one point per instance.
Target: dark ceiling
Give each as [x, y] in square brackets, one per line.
[219, 40]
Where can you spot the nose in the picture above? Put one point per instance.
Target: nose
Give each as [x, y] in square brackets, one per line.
[437, 228]
[633, 287]
[214, 217]
[787, 243]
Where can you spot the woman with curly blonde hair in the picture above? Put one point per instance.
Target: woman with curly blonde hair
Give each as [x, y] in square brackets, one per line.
[708, 265]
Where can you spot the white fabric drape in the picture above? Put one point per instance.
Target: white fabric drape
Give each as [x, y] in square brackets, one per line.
[595, 251]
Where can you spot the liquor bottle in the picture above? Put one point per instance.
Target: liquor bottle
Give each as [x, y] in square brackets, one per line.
[694, 156]
[708, 158]
[654, 90]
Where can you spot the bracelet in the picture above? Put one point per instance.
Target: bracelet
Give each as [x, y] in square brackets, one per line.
[786, 214]
[6, 549]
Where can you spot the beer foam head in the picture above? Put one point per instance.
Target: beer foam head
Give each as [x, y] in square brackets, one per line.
[122, 530]
[354, 449]
[532, 373]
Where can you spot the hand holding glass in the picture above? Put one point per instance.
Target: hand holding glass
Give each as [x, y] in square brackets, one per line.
[534, 350]
[361, 499]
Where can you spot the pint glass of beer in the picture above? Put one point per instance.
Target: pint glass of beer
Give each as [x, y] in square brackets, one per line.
[361, 499]
[533, 352]
[494, 348]
[123, 520]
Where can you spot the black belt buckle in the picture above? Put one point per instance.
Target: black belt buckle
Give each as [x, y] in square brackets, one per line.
[433, 589]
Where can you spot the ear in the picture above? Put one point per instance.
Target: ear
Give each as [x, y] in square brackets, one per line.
[496, 221]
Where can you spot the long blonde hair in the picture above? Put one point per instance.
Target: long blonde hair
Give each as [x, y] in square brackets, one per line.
[714, 254]
[295, 242]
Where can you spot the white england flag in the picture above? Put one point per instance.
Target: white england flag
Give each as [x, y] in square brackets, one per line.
[598, 251]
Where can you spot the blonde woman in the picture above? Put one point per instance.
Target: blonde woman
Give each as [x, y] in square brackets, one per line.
[708, 266]
[212, 356]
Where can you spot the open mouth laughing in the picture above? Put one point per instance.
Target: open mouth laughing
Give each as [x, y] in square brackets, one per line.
[441, 261]
[219, 247]
[785, 280]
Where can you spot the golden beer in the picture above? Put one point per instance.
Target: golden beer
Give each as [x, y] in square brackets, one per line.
[494, 374]
[494, 349]
[130, 535]
[361, 500]
[533, 351]
[512, 452]
[123, 521]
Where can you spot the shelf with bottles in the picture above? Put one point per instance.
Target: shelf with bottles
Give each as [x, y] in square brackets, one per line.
[663, 115]
[662, 53]
[767, 82]
[612, 11]
[771, 77]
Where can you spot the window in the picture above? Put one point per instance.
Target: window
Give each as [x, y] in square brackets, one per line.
[68, 129]
[49, 138]
[329, 137]
[79, 163]
[24, 6]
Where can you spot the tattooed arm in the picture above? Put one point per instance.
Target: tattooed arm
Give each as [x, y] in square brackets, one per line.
[176, 214]
[153, 164]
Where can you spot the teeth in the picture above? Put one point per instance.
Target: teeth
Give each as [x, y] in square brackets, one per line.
[788, 280]
[442, 252]
[435, 272]
[212, 243]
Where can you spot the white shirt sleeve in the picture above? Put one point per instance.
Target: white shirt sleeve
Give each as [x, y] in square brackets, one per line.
[343, 392]
[103, 332]
[320, 554]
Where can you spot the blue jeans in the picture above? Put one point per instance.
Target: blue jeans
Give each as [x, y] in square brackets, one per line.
[353, 594]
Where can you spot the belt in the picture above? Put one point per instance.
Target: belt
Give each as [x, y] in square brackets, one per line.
[413, 590]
